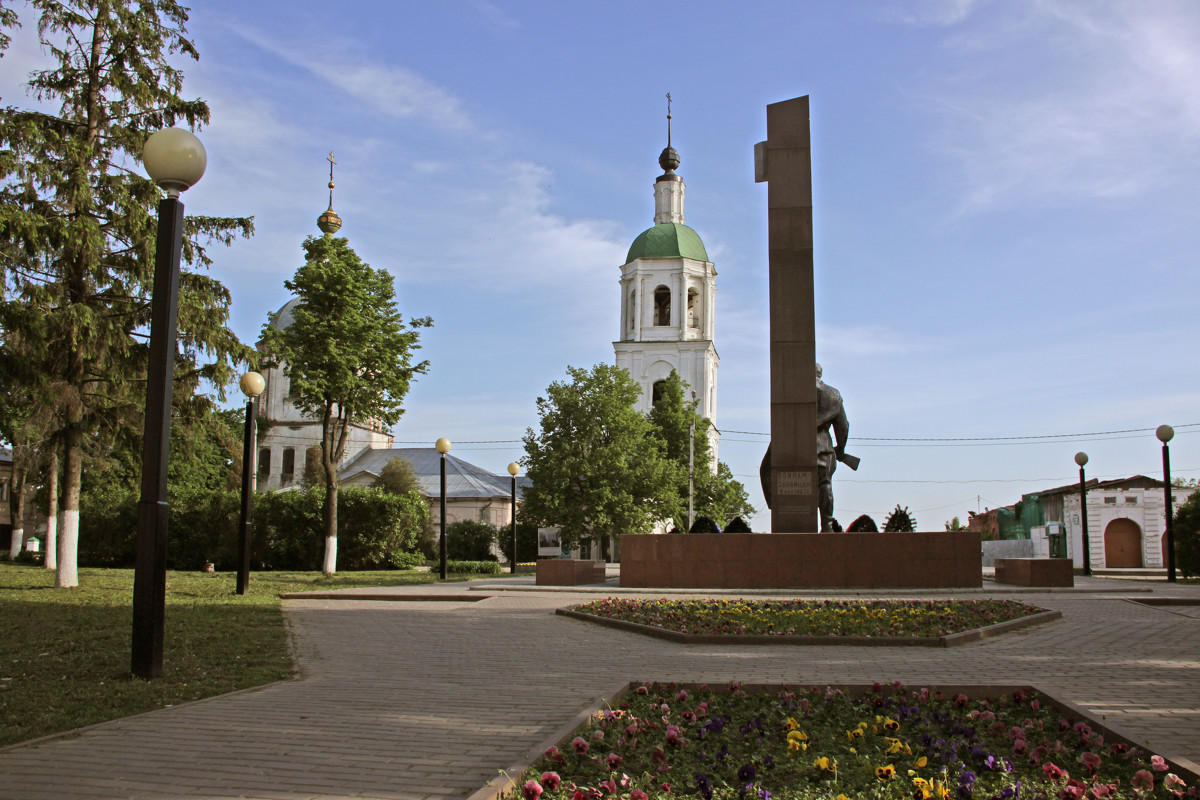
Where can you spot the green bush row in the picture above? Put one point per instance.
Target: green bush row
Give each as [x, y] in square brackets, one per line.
[376, 529]
[480, 567]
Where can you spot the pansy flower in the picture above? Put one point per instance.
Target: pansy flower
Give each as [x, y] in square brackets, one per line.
[885, 773]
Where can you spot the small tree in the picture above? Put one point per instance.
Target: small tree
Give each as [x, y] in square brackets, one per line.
[1186, 527]
[347, 353]
[468, 540]
[397, 477]
[596, 467]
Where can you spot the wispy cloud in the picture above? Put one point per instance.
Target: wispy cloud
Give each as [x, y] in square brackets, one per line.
[493, 16]
[1096, 100]
[392, 90]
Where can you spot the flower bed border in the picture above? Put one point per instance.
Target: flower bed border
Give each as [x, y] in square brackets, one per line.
[344, 595]
[503, 785]
[949, 640]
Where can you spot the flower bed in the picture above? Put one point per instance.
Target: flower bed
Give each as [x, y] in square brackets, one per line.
[666, 741]
[822, 618]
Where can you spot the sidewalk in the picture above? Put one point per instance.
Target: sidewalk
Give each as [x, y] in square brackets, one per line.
[428, 698]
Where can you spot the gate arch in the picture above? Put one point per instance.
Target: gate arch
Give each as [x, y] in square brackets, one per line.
[1122, 544]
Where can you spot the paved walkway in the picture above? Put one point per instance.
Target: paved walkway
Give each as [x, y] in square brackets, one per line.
[426, 699]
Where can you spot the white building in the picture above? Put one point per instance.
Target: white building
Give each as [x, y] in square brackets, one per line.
[1126, 522]
[668, 294]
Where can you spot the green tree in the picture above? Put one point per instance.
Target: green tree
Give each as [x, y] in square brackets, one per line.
[716, 494]
[468, 540]
[1186, 527]
[397, 477]
[78, 226]
[347, 353]
[596, 467]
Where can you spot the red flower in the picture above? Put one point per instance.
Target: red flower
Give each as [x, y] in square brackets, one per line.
[1091, 760]
[638, 794]
[613, 761]
[580, 745]
[1143, 779]
[1053, 772]
[551, 780]
[532, 790]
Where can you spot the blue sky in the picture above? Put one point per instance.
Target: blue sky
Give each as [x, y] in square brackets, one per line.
[1005, 209]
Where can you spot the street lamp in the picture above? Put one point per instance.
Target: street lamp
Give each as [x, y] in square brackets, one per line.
[443, 447]
[513, 469]
[1165, 433]
[1081, 459]
[252, 386]
[175, 160]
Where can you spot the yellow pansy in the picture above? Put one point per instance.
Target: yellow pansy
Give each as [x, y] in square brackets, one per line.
[894, 746]
[854, 734]
[891, 725]
[885, 773]
[921, 762]
[791, 724]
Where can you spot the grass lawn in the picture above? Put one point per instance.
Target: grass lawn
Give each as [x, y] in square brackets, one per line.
[64, 653]
[907, 618]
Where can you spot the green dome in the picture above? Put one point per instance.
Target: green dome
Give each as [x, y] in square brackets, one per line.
[668, 240]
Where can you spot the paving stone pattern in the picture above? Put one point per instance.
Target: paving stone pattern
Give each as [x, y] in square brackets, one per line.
[429, 699]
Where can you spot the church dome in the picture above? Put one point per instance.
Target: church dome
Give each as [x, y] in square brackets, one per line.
[284, 316]
[668, 240]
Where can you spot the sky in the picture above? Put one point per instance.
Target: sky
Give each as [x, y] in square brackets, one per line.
[1005, 210]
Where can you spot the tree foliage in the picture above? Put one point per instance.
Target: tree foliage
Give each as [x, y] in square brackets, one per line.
[78, 227]
[596, 466]
[717, 495]
[1186, 528]
[397, 477]
[347, 352]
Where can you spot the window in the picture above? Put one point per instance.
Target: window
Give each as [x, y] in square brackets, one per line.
[656, 392]
[1110, 501]
[289, 465]
[3, 491]
[264, 462]
[1130, 501]
[693, 318]
[662, 306]
[632, 311]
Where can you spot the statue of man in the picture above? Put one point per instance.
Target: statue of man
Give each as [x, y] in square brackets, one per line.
[833, 428]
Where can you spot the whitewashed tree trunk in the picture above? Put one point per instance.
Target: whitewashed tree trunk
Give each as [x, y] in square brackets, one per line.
[18, 538]
[329, 567]
[51, 560]
[68, 549]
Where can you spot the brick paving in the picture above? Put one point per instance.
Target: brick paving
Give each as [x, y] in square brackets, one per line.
[425, 699]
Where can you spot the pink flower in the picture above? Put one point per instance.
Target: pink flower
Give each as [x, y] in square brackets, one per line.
[551, 780]
[551, 752]
[681, 695]
[597, 735]
[1074, 790]
[613, 760]
[666, 787]
[702, 711]
[1091, 761]
[1052, 771]
[1158, 764]
[532, 790]
[1016, 733]
[961, 700]
[658, 756]
[610, 785]
[1143, 780]
[1035, 705]
[1019, 747]
[642, 691]
[580, 745]
[673, 734]
[1102, 790]
[1175, 784]
[577, 794]
[638, 794]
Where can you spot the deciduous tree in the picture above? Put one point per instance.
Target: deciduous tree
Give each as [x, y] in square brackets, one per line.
[348, 354]
[596, 466]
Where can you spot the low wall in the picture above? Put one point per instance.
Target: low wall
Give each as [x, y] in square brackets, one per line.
[1006, 548]
[1035, 571]
[569, 572]
[802, 560]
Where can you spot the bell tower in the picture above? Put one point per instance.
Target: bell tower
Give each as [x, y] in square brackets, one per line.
[668, 289]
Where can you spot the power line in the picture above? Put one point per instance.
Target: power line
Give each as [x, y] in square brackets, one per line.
[1031, 439]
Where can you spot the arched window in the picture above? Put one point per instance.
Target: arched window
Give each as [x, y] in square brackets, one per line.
[656, 392]
[662, 306]
[632, 311]
[693, 317]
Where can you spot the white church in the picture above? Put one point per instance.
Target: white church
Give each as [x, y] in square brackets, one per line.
[668, 293]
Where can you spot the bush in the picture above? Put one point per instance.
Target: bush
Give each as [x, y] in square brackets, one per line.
[527, 542]
[1186, 527]
[470, 541]
[481, 567]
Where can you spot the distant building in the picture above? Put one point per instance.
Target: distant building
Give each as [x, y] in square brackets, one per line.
[1126, 522]
[472, 493]
[668, 294]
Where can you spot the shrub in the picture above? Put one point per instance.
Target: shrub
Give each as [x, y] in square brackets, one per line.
[481, 567]
[1186, 527]
[527, 542]
[470, 541]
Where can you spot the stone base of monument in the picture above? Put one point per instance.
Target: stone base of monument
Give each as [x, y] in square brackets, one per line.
[938, 559]
[569, 572]
[1035, 571]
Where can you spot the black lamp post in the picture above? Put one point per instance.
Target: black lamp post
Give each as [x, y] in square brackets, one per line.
[175, 160]
[1165, 433]
[252, 386]
[443, 447]
[513, 469]
[1081, 459]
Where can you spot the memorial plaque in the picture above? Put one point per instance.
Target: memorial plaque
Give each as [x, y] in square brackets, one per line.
[793, 483]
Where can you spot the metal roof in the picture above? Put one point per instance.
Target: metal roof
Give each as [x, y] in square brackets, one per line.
[463, 479]
[668, 240]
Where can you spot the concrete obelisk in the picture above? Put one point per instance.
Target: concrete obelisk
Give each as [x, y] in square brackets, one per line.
[784, 161]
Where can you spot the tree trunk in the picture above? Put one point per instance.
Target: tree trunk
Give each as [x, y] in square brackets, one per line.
[51, 560]
[16, 508]
[331, 498]
[68, 534]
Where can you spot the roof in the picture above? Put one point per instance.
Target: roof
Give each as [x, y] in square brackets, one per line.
[284, 316]
[1132, 482]
[463, 479]
[668, 240]
[5, 455]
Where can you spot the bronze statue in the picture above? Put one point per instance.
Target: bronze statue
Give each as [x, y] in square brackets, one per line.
[831, 448]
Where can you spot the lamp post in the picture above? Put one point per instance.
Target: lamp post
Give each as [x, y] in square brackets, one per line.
[252, 386]
[443, 447]
[1165, 433]
[513, 469]
[1081, 459]
[175, 160]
